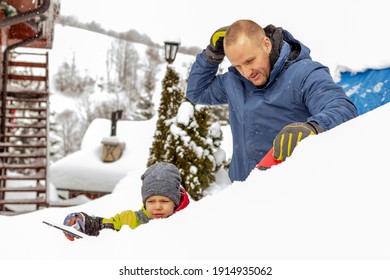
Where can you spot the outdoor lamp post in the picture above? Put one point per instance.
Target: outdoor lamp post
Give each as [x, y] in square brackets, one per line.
[171, 49]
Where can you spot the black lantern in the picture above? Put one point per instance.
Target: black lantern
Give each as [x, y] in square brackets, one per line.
[171, 49]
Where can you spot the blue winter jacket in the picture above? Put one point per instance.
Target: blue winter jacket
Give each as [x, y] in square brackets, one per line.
[297, 91]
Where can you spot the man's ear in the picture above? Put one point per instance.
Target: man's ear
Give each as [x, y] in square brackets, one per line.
[267, 44]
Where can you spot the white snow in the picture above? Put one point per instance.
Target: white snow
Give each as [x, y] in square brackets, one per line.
[322, 214]
[326, 203]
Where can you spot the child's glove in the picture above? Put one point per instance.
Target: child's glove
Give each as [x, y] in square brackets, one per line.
[214, 51]
[83, 223]
[289, 137]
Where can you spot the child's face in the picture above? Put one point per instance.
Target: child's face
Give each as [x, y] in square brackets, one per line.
[159, 206]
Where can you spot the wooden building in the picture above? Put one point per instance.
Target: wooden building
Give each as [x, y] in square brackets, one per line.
[27, 30]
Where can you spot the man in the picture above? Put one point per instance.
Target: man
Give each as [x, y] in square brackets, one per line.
[277, 95]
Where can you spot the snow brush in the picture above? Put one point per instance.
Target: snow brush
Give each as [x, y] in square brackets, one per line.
[268, 161]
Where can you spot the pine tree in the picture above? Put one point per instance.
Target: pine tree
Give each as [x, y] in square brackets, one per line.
[55, 140]
[145, 106]
[216, 136]
[191, 150]
[183, 137]
[171, 97]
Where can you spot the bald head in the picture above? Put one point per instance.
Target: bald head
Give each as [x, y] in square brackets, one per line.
[243, 28]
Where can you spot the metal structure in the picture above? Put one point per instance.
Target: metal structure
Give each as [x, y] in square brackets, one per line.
[171, 49]
[26, 35]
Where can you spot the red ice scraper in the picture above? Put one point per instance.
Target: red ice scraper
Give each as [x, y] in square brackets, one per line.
[268, 161]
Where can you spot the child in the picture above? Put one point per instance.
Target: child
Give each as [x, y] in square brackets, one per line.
[162, 196]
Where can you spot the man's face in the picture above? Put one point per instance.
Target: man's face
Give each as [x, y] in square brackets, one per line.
[251, 58]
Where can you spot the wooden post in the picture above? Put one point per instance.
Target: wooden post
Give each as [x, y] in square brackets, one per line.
[115, 116]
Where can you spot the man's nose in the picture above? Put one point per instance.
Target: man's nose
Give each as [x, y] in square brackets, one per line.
[246, 72]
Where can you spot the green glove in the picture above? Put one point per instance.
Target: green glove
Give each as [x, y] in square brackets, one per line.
[289, 137]
[214, 51]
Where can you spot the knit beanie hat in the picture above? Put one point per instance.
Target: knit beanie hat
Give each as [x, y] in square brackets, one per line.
[162, 178]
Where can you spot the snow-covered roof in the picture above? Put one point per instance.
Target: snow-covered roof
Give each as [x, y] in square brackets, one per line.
[85, 170]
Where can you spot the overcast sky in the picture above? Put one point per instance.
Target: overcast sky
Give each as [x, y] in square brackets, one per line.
[326, 27]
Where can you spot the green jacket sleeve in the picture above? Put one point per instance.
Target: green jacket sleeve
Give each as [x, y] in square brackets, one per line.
[127, 217]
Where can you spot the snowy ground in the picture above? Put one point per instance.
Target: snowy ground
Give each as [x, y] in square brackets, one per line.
[328, 203]
[323, 214]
